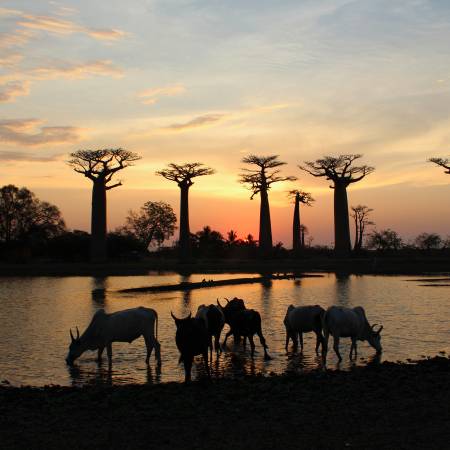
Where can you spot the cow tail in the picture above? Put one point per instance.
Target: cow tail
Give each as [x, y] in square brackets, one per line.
[156, 327]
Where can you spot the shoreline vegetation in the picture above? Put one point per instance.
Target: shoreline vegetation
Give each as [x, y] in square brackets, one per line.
[379, 406]
[389, 265]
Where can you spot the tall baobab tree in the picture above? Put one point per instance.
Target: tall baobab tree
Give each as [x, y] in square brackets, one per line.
[183, 174]
[259, 181]
[360, 215]
[303, 231]
[306, 199]
[342, 173]
[100, 167]
[443, 162]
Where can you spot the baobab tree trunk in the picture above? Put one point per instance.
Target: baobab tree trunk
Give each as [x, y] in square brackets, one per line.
[356, 246]
[361, 234]
[342, 243]
[98, 222]
[184, 239]
[296, 238]
[265, 227]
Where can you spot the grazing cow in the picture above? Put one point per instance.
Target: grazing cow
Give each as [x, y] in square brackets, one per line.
[120, 326]
[244, 323]
[214, 321]
[303, 319]
[192, 339]
[349, 322]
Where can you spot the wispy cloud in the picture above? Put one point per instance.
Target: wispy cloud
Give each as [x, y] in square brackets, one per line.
[16, 38]
[10, 91]
[151, 96]
[58, 25]
[26, 157]
[196, 122]
[10, 59]
[29, 132]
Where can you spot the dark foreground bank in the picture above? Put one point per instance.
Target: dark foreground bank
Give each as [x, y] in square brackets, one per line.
[387, 406]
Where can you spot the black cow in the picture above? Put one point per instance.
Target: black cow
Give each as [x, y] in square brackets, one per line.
[244, 323]
[192, 339]
[214, 321]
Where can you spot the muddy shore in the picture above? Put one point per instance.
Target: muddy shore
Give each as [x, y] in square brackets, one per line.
[385, 406]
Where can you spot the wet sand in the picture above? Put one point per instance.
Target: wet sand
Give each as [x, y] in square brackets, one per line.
[381, 406]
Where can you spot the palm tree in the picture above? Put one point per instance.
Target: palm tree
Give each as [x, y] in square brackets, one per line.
[183, 174]
[100, 166]
[259, 181]
[340, 171]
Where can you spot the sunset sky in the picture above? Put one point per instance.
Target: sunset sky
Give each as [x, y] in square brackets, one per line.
[212, 81]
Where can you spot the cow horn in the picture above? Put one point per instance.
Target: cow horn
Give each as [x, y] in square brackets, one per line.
[71, 335]
[228, 301]
[78, 333]
[373, 326]
[379, 330]
[173, 316]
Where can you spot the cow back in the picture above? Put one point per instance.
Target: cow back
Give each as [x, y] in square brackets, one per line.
[305, 318]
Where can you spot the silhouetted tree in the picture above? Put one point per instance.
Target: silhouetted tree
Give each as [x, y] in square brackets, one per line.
[303, 232]
[23, 215]
[210, 242]
[259, 182]
[428, 241]
[154, 222]
[340, 171]
[100, 166]
[306, 199]
[443, 162]
[360, 215]
[183, 174]
[384, 240]
[231, 237]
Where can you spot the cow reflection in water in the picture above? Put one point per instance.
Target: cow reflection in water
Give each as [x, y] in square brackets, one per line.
[121, 326]
[192, 339]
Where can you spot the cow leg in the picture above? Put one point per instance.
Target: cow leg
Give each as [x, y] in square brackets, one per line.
[300, 335]
[287, 340]
[187, 361]
[326, 336]
[99, 354]
[109, 352]
[229, 333]
[336, 347]
[244, 343]
[263, 343]
[157, 346]
[353, 347]
[217, 343]
[319, 339]
[210, 347]
[252, 345]
[205, 360]
[149, 344]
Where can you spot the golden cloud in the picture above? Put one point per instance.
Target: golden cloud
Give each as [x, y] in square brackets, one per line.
[151, 96]
[26, 157]
[10, 91]
[196, 122]
[29, 132]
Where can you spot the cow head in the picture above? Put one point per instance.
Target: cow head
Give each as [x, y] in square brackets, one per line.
[231, 308]
[75, 348]
[179, 322]
[374, 338]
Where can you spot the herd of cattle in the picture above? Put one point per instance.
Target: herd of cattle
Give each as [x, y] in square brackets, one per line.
[194, 336]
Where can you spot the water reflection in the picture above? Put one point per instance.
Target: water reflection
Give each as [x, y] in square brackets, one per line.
[98, 292]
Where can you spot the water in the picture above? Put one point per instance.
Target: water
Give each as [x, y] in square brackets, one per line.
[37, 313]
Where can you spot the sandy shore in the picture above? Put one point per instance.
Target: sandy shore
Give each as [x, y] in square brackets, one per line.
[386, 406]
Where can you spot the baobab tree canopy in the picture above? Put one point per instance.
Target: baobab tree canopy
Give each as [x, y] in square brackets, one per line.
[182, 174]
[102, 164]
[443, 162]
[260, 178]
[338, 169]
[303, 197]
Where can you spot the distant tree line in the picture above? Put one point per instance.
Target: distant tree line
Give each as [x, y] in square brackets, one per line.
[30, 225]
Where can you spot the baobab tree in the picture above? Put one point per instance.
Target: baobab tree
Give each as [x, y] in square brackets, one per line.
[183, 174]
[306, 199]
[340, 171]
[303, 231]
[100, 166]
[443, 162]
[259, 181]
[360, 215]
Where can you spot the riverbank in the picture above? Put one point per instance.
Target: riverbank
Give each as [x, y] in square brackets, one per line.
[386, 406]
[412, 265]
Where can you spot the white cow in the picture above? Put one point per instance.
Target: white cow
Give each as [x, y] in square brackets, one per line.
[303, 319]
[349, 322]
[120, 326]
